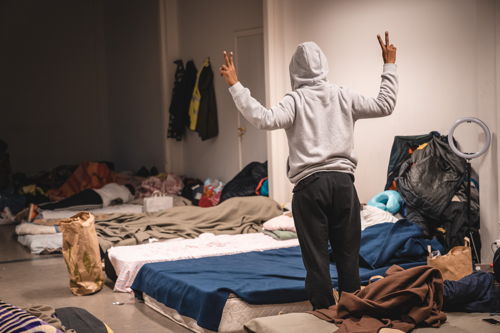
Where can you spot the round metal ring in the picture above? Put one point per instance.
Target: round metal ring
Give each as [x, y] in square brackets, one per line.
[486, 131]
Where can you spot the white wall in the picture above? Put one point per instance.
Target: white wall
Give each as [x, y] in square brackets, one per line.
[206, 29]
[52, 93]
[446, 57]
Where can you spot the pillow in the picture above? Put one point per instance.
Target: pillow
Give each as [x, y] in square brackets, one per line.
[388, 200]
[281, 222]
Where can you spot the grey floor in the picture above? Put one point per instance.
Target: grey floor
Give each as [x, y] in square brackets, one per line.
[33, 279]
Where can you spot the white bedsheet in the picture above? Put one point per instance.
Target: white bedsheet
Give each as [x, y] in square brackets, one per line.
[127, 260]
[372, 215]
[118, 209]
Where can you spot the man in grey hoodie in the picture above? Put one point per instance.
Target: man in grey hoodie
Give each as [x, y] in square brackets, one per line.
[318, 117]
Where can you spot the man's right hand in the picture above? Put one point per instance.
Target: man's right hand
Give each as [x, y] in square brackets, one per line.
[388, 50]
[228, 70]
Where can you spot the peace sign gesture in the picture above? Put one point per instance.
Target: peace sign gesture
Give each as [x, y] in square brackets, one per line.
[228, 70]
[388, 50]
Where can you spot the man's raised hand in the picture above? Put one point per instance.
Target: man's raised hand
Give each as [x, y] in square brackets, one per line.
[388, 49]
[227, 70]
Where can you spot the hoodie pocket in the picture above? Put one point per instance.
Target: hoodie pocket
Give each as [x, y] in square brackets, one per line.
[304, 183]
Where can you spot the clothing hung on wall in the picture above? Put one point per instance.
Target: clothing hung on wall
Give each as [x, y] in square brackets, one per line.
[203, 107]
[184, 81]
[193, 103]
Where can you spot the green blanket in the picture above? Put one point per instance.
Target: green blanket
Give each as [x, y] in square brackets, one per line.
[234, 216]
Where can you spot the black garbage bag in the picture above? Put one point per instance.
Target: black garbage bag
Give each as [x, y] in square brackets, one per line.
[402, 148]
[430, 178]
[456, 225]
[245, 182]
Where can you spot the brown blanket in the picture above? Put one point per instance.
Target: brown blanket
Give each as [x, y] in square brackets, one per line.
[402, 300]
[233, 216]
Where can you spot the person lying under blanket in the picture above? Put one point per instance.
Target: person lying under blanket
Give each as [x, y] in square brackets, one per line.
[108, 195]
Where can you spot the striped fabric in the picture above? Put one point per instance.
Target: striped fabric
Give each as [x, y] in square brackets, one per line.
[15, 320]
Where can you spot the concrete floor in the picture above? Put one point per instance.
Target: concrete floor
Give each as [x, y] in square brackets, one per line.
[33, 279]
[40, 279]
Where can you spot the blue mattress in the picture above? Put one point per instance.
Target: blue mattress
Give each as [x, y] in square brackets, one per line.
[199, 288]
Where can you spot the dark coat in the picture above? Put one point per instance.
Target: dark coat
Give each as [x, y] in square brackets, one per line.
[207, 124]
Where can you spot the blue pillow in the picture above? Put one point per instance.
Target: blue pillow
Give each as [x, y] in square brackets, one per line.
[388, 200]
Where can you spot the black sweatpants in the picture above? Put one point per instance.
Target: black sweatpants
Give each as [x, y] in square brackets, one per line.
[326, 209]
[86, 199]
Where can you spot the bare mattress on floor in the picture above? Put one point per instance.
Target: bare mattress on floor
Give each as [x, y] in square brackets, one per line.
[304, 322]
[235, 314]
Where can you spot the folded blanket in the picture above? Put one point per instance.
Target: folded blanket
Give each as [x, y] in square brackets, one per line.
[35, 229]
[280, 234]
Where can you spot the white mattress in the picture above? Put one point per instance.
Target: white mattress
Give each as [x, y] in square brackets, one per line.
[128, 260]
[38, 244]
[117, 209]
[236, 313]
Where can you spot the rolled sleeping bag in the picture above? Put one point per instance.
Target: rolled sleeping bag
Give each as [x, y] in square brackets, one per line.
[388, 200]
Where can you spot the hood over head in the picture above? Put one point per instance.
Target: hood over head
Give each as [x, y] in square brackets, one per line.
[308, 66]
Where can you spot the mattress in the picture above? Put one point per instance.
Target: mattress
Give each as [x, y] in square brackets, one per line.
[236, 313]
[128, 260]
[117, 209]
[41, 244]
[49, 243]
[303, 322]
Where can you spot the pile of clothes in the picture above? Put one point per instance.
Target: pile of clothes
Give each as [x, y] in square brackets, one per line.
[431, 186]
[95, 187]
[434, 197]
[250, 181]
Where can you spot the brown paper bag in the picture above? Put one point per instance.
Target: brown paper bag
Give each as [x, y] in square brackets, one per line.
[81, 254]
[456, 264]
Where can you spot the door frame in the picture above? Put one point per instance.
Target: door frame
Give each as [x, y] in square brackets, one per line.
[237, 34]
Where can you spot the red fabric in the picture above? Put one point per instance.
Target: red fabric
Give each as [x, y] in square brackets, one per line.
[87, 175]
[257, 190]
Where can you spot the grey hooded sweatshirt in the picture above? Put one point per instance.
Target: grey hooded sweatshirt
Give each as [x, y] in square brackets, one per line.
[318, 116]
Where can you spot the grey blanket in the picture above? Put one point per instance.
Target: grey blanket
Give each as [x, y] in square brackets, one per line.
[233, 216]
